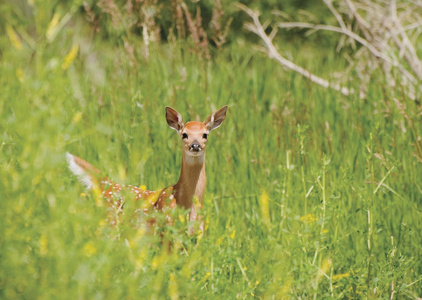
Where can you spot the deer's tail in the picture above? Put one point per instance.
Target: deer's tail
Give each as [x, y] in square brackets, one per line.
[86, 173]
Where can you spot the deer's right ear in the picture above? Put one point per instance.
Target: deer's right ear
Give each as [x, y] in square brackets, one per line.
[214, 121]
[174, 119]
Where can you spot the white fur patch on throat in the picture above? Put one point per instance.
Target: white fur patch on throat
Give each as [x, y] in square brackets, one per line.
[194, 159]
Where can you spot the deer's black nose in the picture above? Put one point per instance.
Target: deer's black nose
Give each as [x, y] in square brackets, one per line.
[195, 148]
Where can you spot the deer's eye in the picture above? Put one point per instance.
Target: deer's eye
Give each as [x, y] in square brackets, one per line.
[205, 136]
[184, 136]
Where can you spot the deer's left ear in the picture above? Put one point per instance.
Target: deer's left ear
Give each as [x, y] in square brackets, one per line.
[214, 121]
[174, 119]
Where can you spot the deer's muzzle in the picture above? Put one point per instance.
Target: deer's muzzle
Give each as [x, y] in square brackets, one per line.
[195, 148]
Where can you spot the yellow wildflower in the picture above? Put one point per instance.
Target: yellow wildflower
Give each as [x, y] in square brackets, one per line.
[76, 118]
[199, 235]
[325, 267]
[70, 56]
[90, 249]
[155, 262]
[182, 219]
[265, 208]
[37, 180]
[20, 74]
[220, 240]
[340, 276]
[14, 38]
[196, 201]
[207, 223]
[139, 262]
[52, 27]
[43, 245]
[207, 275]
[173, 290]
[99, 199]
[309, 218]
[122, 172]
[285, 289]
[140, 232]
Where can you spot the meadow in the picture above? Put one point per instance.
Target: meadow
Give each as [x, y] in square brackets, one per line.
[310, 194]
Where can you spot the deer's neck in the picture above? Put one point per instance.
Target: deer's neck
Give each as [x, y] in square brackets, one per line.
[192, 180]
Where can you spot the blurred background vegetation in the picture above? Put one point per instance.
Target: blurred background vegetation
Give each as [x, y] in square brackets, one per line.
[205, 23]
[310, 193]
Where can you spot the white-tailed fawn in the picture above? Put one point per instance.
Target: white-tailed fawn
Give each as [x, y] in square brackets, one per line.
[191, 183]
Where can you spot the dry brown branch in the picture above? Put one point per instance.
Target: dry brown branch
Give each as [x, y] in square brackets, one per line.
[383, 35]
[404, 44]
[259, 29]
[364, 27]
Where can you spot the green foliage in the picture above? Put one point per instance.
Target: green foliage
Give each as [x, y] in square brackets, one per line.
[309, 193]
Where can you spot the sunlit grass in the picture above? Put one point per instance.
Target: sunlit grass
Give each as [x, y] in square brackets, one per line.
[309, 194]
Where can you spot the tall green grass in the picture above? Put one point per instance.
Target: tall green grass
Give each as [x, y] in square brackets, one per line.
[310, 194]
